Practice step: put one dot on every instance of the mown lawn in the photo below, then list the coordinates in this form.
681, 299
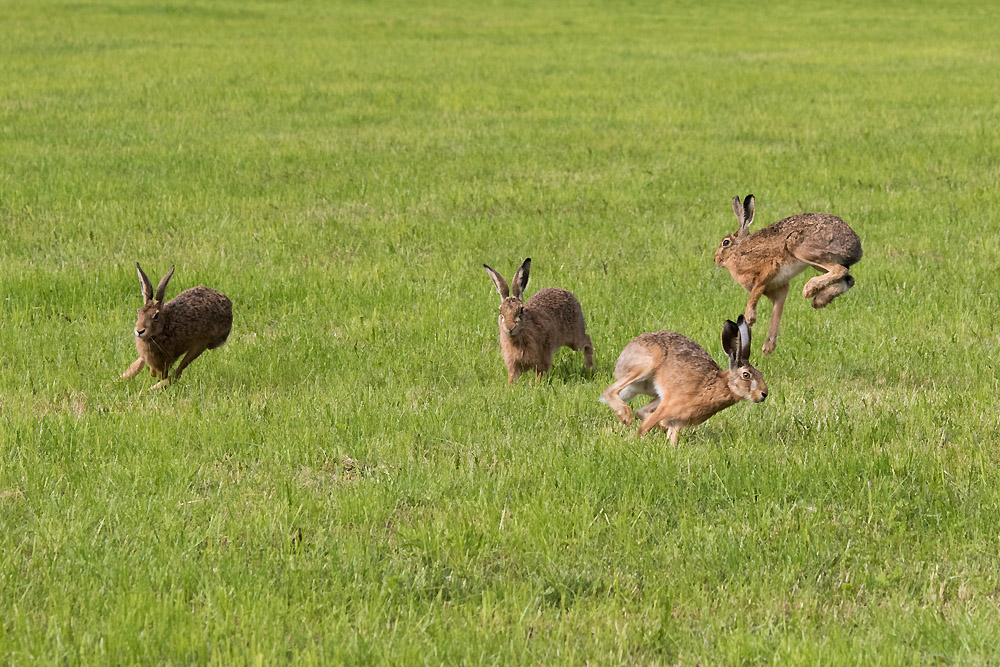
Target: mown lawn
350, 479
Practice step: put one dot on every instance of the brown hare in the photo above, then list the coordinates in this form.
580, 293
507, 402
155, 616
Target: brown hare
686, 384
764, 262
195, 320
532, 331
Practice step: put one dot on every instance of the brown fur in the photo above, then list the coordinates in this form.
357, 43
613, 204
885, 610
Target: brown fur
530, 333
196, 320
686, 384
764, 262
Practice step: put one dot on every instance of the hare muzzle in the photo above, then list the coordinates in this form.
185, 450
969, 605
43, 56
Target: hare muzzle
758, 392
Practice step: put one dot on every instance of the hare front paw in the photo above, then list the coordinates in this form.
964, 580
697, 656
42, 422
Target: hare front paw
750, 316
769, 346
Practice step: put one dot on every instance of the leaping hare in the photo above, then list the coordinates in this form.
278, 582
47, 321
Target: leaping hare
686, 384
764, 262
531, 332
195, 320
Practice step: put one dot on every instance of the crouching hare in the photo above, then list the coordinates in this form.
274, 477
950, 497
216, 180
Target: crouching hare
195, 320
686, 384
764, 262
532, 331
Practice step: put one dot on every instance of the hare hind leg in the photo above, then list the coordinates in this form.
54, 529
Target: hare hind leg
588, 351
816, 284
832, 291
823, 256
584, 343
219, 341
190, 356
834, 273
613, 395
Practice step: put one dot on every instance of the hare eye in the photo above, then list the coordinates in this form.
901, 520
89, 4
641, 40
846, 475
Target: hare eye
725, 242
746, 375
156, 316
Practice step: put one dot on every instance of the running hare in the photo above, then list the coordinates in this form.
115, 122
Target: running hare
686, 384
531, 332
195, 320
765, 261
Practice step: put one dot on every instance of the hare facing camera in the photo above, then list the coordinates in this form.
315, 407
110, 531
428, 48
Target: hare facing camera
532, 331
686, 384
195, 320
764, 262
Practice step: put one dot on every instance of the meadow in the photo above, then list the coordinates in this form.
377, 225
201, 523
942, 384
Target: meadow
350, 479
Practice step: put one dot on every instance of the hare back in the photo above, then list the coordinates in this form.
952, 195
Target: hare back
198, 314
678, 355
558, 309
824, 238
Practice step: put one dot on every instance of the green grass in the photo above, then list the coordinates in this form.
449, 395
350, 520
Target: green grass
350, 479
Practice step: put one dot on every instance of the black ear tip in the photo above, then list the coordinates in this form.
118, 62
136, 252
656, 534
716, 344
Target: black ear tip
739, 320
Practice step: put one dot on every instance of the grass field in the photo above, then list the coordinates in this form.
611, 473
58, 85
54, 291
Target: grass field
350, 479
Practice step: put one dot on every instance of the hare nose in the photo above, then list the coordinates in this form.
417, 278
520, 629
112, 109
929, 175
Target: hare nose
763, 394
139, 332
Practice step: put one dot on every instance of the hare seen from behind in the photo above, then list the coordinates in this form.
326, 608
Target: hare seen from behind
764, 262
195, 320
532, 331
686, 384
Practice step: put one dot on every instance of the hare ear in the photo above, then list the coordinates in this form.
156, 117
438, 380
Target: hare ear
744, 340
731, 343
498, 280
738, 210
520, 281
748, 211
147, 287
161, 289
